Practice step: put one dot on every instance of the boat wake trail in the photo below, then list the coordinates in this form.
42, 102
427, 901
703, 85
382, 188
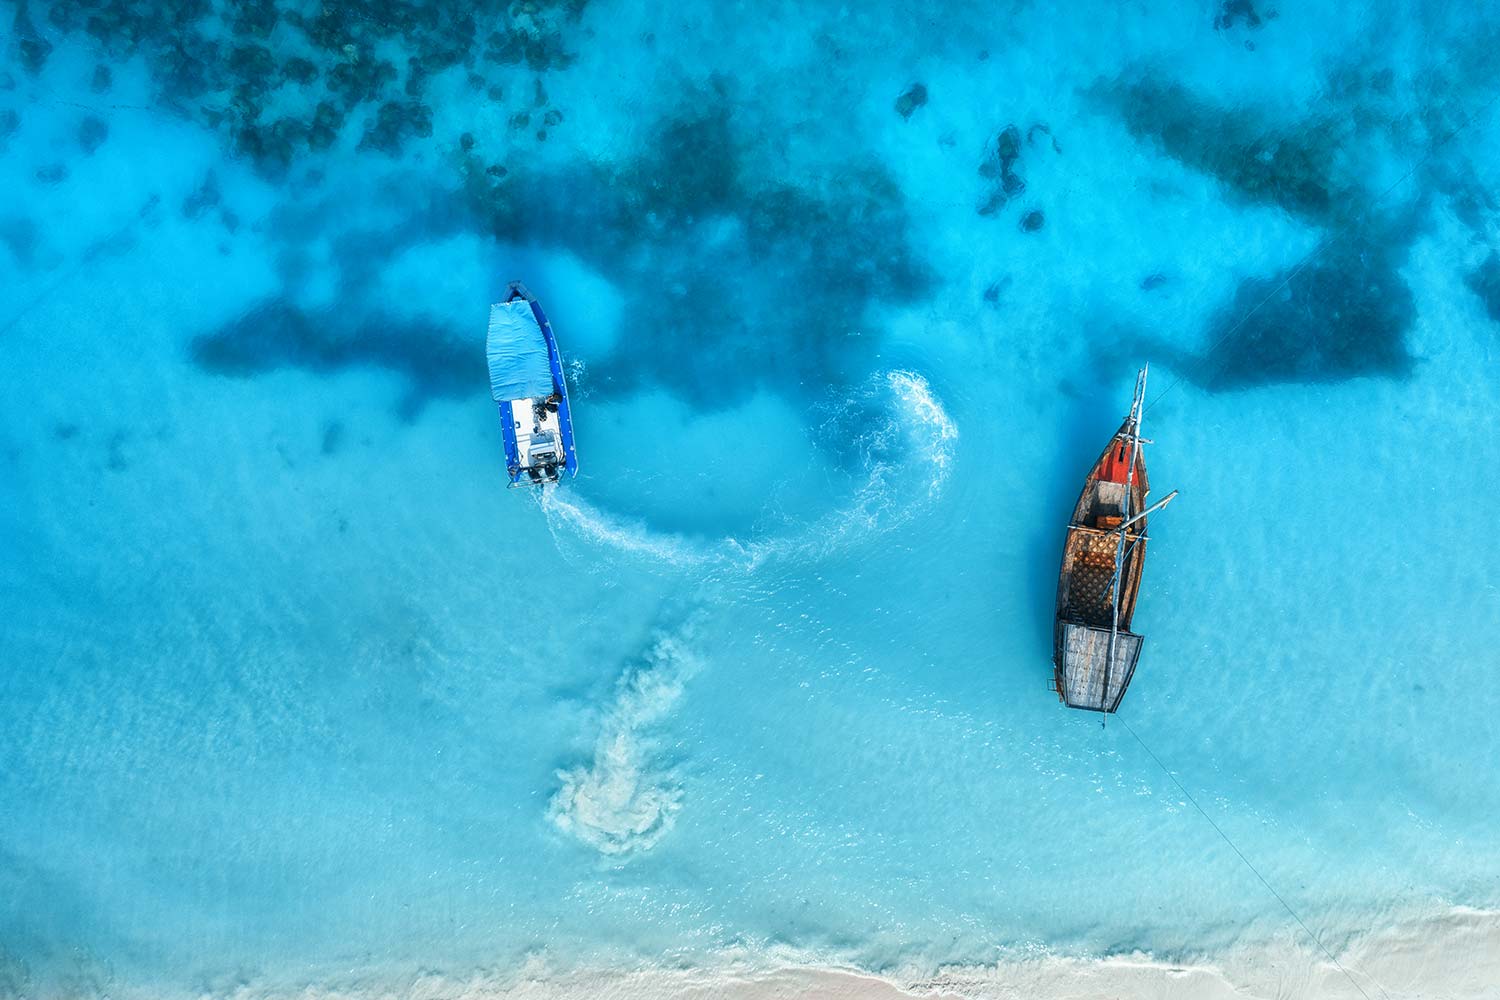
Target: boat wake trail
903, 442
892, 432
583, 519
625, 800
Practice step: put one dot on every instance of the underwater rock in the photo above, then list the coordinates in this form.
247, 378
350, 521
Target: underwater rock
466, 141
552, 117
539, 52
324, 132
360, 82
91, 134
1342, 316
539, 94
21, 236
335, 25
252, 17
299, 70
416, 78
10, 120
333, 437
271, 147
187, 71
34, 53
33, 47
1485, 283
395, 123
254, 67
63, 14
520, 120
206, 196
1008, 147
52, 173
1152, 282
1001, 166
1032, 221
117, 461
102, 79
1042, 129
321, 137
1233, 12
914, 98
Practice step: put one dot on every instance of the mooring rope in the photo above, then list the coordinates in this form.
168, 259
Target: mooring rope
1253, 870
1327, 241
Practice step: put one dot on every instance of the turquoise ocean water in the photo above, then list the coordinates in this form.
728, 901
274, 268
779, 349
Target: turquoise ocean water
292, 689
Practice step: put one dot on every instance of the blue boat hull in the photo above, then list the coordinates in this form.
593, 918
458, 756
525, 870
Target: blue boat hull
513, 460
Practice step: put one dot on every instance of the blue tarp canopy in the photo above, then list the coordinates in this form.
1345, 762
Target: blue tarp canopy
517, 351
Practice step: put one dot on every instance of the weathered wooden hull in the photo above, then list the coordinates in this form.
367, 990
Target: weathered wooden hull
1085, 583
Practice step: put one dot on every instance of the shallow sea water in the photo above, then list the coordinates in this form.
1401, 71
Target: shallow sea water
293, 689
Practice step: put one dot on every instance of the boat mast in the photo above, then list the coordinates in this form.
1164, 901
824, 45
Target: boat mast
1133, 431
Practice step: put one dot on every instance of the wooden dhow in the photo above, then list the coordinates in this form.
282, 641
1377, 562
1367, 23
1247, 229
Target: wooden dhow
1094, 651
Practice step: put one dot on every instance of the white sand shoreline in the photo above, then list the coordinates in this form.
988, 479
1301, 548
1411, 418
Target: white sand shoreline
1450, 956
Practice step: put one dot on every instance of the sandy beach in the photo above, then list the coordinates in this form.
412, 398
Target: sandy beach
1449, 956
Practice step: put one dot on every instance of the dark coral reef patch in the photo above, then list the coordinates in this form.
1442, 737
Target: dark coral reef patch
726, 267
315, 66
437, 362
1344, 315
764, 272
1293, 165
1485, 283
768, 276
1002, 167
911, 99
1344, 312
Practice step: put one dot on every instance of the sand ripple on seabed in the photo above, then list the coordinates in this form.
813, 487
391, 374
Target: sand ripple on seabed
623, 800
906, 460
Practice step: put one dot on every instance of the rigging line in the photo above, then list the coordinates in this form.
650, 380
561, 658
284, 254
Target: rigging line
1328, 241
1255, 871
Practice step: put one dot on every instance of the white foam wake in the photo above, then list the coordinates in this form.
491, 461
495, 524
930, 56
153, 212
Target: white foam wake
925, 411
893, 427
630, 537
623, 800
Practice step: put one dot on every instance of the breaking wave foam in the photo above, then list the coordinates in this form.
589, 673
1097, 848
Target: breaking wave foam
894, 427
623, 801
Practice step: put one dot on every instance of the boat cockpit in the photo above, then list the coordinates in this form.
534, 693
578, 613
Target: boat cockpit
540, 446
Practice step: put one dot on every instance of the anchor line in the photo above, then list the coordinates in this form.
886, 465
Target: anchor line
1248, 864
